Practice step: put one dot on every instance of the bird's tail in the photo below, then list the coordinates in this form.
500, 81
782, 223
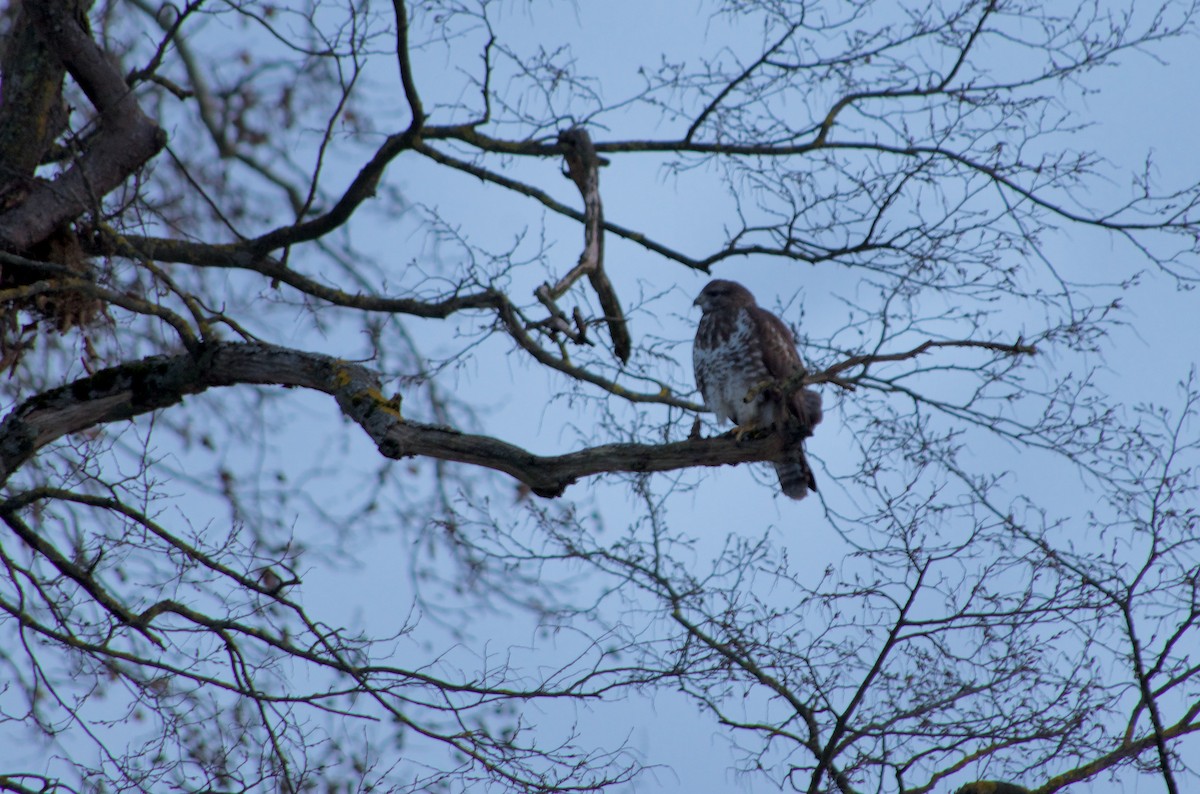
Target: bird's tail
795, 475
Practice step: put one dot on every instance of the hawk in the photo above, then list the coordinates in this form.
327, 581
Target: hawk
742, 353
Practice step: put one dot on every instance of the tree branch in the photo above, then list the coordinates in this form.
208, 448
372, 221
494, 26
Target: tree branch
584, 169
137, 388
126, 141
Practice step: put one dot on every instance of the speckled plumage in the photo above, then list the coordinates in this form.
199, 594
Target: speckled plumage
738, 347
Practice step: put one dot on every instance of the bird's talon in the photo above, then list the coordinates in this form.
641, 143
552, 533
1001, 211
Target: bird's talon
741, 431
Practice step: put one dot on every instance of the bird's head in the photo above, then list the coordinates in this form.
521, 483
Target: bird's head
723, 294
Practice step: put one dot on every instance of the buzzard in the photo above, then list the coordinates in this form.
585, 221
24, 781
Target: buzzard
741, 355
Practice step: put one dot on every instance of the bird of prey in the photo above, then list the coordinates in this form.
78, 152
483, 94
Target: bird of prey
743, 354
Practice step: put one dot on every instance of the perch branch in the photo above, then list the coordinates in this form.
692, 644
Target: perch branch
159, 382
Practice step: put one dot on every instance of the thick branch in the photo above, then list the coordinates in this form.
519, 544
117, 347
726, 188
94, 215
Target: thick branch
126, 141
32, 112
151, 384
